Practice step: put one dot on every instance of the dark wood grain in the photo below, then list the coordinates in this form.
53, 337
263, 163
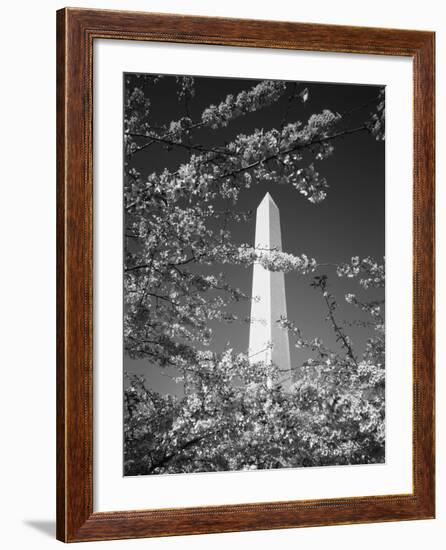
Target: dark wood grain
76, 31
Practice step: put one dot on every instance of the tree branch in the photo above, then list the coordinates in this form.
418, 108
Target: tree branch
172, 143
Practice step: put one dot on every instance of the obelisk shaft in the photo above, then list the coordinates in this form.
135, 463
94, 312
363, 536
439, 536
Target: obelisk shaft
268, 341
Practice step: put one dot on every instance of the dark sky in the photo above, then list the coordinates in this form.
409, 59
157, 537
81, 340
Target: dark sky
349, 222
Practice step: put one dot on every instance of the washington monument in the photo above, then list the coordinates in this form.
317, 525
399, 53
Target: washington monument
269, 342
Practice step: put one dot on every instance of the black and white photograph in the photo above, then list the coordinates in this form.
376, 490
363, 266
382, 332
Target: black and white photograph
254, 274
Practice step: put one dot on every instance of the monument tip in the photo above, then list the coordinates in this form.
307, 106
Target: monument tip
269, 198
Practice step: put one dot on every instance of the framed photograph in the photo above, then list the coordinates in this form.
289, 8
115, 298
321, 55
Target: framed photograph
245, 275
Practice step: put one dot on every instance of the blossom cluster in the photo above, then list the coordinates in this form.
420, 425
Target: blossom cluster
276, 260
377, 122
371, 273
263, 94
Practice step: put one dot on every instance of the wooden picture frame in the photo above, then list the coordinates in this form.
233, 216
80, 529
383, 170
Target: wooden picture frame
76, 31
